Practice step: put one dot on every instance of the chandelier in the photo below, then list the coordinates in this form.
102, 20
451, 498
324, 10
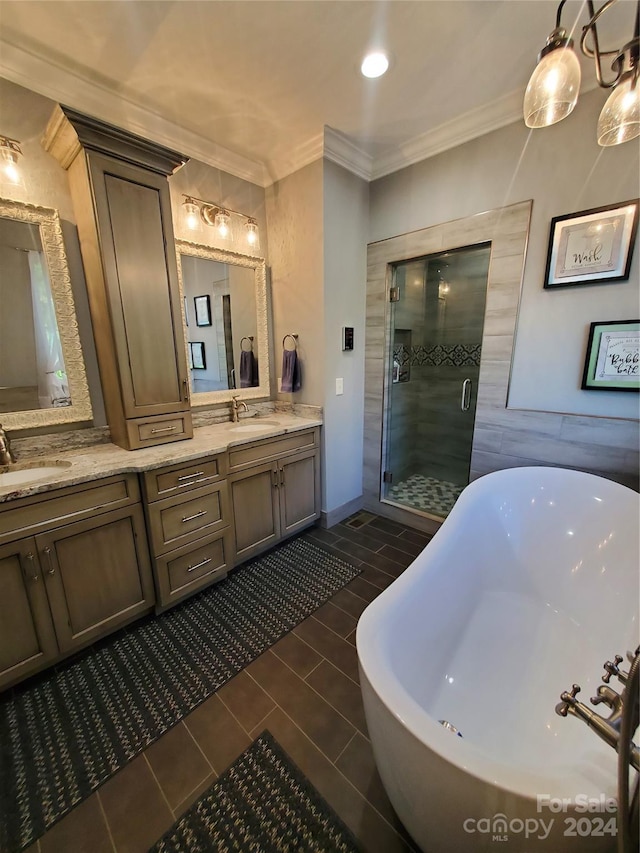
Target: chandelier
553, 89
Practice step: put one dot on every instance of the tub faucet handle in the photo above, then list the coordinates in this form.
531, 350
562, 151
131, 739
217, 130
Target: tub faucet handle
568, 699
609, 696
611, 668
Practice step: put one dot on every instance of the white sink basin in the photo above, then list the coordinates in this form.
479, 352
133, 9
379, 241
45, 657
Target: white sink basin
254, 426
23, 473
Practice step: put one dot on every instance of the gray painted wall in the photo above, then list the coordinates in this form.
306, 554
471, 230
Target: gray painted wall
563, 170
346, 210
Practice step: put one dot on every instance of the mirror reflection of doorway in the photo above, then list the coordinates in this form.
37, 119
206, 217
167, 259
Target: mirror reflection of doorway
434, 365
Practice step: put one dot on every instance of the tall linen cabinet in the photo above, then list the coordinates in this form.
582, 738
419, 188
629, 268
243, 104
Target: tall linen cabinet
121, 200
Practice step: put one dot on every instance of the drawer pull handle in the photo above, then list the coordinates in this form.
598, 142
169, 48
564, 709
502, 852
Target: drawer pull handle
190, 476
51, 570
196, 515
192, 483
163, 429
199, 565
31, 558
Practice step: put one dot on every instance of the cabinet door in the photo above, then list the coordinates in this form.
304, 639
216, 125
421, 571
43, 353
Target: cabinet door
27, 638
299, 491
254, 497
98, 575
134, 220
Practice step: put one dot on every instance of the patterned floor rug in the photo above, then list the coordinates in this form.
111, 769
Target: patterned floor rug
262, 802
66, 733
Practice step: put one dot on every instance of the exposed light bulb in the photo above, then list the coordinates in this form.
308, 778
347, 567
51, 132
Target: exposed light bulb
552, 91
9, 154
374, 64
620, 117
222, 221
252, 232
191, 213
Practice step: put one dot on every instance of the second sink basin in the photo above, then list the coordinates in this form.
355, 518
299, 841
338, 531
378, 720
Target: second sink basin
253, 426
23, 473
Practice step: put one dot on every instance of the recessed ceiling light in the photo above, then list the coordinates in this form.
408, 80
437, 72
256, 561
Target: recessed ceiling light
374, 64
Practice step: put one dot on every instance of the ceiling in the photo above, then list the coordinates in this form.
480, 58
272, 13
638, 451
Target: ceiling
250, 85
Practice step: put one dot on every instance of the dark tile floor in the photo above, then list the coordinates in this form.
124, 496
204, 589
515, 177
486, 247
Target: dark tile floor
304, 689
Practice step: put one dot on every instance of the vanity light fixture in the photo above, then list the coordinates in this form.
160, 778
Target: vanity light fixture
10, 152
252, 231
195, 210
553, 89
191, 213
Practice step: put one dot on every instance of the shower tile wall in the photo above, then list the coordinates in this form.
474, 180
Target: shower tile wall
426, 436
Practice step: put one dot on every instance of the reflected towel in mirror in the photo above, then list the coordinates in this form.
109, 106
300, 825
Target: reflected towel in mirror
248, 369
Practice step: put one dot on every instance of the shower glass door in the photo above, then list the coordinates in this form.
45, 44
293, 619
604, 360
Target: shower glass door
434, 364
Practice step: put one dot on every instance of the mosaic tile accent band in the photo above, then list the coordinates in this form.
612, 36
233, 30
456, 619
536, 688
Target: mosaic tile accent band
66, 733
438, 355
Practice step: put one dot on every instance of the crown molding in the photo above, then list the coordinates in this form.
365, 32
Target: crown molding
66, 87
296, 159
470, 125
341, 150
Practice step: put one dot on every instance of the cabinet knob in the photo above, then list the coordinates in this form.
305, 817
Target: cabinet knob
51, 570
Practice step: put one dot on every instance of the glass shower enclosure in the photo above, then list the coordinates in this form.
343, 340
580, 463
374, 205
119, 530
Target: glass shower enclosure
437, 319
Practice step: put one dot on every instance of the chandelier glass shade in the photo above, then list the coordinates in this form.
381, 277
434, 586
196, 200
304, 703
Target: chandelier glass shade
552, 91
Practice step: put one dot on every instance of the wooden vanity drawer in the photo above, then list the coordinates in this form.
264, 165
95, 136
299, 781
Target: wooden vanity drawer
28, 516
177, 520
147, 432
186, 569
180, 478
272, 448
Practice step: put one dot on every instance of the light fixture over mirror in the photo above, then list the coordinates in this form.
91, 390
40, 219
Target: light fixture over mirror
225, 323
10, 153
42, 374
553, 89
196, 211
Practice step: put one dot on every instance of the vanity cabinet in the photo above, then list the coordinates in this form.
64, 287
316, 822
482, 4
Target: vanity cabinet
83, 571
275, 490
123, 209
190, 526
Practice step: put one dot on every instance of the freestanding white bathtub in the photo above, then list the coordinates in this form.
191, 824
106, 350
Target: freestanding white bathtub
530, 585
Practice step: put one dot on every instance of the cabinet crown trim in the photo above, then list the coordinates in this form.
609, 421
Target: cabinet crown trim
69, 131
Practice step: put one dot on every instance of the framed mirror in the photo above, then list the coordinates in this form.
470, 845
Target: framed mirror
224, 305
42, 373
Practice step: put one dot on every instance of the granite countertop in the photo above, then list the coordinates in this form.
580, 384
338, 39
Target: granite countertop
106, 460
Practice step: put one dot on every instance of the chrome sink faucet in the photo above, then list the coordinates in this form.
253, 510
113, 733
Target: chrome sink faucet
6, 456
235, 408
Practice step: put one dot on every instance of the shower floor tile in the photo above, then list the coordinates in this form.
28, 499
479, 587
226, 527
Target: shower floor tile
426, 493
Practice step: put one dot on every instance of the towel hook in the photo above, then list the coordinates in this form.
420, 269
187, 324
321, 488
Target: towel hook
295, 340
247, 338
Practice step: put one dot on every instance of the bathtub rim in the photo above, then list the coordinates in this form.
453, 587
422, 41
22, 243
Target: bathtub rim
418, 722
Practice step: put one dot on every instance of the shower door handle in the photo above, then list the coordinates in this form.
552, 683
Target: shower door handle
465, 400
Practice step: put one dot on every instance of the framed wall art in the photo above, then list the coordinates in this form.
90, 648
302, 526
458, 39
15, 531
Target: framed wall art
612, 362
203, 310
198, 358
592, 247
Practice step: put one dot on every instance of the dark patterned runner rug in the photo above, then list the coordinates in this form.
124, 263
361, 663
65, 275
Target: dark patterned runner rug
68, 732
262, 802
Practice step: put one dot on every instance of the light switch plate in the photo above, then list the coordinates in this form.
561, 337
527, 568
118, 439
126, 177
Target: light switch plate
339, 387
